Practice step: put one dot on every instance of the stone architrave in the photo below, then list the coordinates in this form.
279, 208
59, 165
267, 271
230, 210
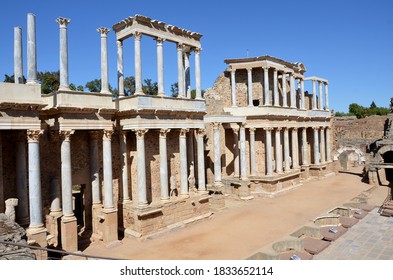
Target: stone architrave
104, 59
138, 63
63, 22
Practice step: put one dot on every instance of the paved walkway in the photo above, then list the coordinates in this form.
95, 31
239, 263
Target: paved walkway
238, 231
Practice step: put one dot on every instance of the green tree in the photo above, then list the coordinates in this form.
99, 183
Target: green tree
373, 105
149, 87
50, 81
72, 86
129, 85
94, 85
175, 89
80, 88
11, 79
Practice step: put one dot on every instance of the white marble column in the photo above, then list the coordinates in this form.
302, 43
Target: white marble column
120, 67
198, 90
322, 145
328, 147
277, 139
252, 152
275, 89
141, 166
187, 77
180, 74
63, 22
124, 166
295, 149
94, 167
18, 57
107, 168
35, 197
268, 151
164, 165
31, 50
233, 87
304, 147
160, 66
314, 95
284, 90
287, 165
326, 96
104, 59
22, 211
303, 100
320, 106
243, 160
55, 194
266, 92
183, 163
249, 86
293, 91
138, 63
201, 161
236, 164
66, 173
2, 206
217, 152
316, 146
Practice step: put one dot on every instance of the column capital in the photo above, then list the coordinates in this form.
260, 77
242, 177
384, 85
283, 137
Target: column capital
242, 125
249, 69
159, 40
294, 128
107, 135
183, 132
140, 133
119, 43
179, 46
252, 130
103, 31
268, 128
63, 22
137, 35
201, 131
266, 68
216, 125
315, 127
197, 50
164, 132
278, 128
232, 70
235, 129
285, 128
66, 134
34, 135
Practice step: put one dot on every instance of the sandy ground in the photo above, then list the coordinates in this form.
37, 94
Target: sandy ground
245, 226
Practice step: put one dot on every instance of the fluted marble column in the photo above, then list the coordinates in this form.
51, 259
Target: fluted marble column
141, 166
22, 211
66, 173
303, 106
275, 90
31, 50
35, 197
314, 95
266, 92
124, 166
164, 165
268, 151
249, 86
328, 154
287, 165
180, 74
187, 77
278, 149
94, 167
138, 62
201, 161
198, 91
304, 147
104, 59
326, 96
320, 106
217, 152
284, 90
252, 152
120, 67
316, 146
18, 57
160, 66
322, 140
295, 149
55, 194
107, 166
63, 22
233, 87
183, 163
236, 164
243, 160
293, 91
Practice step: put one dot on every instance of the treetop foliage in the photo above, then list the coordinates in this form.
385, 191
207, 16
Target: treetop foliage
360, 112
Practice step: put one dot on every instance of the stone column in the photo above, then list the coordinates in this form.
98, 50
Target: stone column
187, 77
201, 161
326, 96
180, 74
328, 147
31, 50
249, 86
252, 152
104, 59
322, 140
141, 165
183, 163
320, 106
268, 151
295, 149
293, 91
164, 165
22, 211
124, 166
303, 106
275, 90
160, 66
107, 168
266, 86
18, 57
2, 207
316, 145
233, 88
138, 63
236, 152
120, 71
198, 91
217, 153
287, 165
243, 160
304, 147
63, 22
314, 95
284, 90
94, 167
66, 173
278, 149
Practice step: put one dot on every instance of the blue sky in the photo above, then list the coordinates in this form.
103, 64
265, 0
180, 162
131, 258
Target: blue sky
347, 42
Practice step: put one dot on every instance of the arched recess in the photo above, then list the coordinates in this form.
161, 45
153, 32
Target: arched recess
361, 155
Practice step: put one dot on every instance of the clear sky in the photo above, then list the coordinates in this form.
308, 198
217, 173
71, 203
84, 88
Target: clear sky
347, 42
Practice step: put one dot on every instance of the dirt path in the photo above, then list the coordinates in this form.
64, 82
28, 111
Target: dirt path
241, 229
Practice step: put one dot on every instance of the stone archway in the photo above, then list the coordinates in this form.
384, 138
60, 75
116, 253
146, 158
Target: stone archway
357, 155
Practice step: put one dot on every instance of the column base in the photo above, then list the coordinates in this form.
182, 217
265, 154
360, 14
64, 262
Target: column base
36, 236
69, 234
110, 224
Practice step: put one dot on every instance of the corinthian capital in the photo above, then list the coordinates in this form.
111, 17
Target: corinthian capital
140, 133
103, 30
66, 134
34, 135
164, 132
183, 132
107, 134
137, 35
63, 21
